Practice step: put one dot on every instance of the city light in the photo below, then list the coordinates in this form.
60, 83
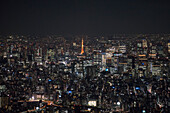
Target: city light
118, 103
92, 103
112, 75
137, 88
143, 111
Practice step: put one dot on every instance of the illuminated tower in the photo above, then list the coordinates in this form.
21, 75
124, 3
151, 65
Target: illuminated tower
82, 47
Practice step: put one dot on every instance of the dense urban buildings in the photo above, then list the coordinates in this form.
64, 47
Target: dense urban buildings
102, 74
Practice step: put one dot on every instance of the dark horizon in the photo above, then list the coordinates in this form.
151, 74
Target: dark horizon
87, 17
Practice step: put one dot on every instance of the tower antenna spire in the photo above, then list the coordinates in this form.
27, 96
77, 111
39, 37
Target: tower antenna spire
82, 47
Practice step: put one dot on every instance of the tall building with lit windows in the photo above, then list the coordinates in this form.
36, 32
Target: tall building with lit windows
169, 47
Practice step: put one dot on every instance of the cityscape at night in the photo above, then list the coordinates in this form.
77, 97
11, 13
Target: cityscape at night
84, 56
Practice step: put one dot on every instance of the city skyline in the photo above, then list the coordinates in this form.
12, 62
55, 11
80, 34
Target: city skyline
84, 56
83, 75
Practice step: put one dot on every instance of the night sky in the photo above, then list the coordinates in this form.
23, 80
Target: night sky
90, 17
